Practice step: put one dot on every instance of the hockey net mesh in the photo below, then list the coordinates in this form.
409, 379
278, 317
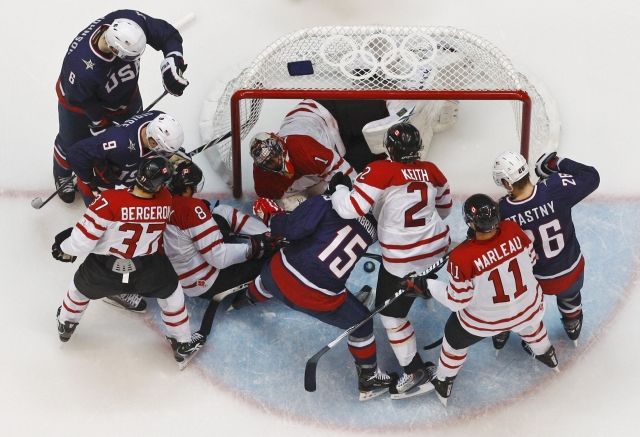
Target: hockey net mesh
380, 58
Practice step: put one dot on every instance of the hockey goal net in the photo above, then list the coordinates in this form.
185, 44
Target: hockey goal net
375, 62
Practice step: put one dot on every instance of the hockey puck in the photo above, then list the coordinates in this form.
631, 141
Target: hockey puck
369, 267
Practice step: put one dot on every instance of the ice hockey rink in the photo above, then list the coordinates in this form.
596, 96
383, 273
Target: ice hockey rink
116, 377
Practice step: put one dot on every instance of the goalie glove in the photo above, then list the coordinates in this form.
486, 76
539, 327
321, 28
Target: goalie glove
339, 179
547, 164
172, 68
264, 209
57, 252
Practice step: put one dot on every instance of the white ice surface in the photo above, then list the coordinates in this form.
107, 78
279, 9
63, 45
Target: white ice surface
118, 379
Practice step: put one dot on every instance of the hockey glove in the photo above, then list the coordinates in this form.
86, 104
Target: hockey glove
264, 209
57, 252
418, 286
264, 245
172, 68
339, 179
97, 127
105, 174
547, 164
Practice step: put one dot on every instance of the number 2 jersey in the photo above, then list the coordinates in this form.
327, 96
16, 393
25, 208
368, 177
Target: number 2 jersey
546, 217
313, 269
120, 224
491, 283
410, 201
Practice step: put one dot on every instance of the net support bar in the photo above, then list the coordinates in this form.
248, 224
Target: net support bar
292, 94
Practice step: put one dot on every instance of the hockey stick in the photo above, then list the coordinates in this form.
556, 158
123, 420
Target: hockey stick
38, 203
312, 363
253, 106
152, 104
433, 345
210, 312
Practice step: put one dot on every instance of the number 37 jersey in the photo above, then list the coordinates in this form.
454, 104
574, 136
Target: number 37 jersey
120, 224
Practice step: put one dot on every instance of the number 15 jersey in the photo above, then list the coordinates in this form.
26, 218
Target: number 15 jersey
410, 201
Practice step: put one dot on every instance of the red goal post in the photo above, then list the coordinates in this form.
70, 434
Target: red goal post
379, 63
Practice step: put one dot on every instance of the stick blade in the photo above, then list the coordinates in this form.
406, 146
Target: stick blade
310, 370
37, 203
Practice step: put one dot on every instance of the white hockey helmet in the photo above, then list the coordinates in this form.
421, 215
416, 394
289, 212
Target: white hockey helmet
167, 132
126, 39
509, 166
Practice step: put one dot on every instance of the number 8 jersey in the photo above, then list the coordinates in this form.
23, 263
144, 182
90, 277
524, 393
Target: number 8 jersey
120, 224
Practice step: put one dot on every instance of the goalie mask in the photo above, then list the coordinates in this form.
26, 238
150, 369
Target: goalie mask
403, 142
187, 174
511, 167
481, 211
269, 153
153, 173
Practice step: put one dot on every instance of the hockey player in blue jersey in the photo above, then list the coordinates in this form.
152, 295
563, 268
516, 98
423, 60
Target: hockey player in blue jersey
98, 82
543, 210
112, 158
310, 273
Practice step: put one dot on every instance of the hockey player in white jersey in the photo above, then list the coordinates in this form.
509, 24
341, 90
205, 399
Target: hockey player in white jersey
410, 198
121, 234
491, 289
196, 239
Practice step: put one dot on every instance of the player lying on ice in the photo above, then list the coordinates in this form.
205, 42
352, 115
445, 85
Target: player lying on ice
310, 273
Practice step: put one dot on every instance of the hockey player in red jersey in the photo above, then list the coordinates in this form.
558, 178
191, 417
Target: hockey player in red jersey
543, 210
121, 233
410, 198
301, 158
491, 289
196, 239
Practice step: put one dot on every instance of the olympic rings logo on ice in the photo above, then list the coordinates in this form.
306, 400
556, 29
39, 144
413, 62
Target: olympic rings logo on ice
379, 52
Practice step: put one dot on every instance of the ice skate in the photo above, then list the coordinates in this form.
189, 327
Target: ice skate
68, 193
66, 329
373, 382
414, 384
443, 388
184, 352
499, 340
130, 302
573, 327
548, 358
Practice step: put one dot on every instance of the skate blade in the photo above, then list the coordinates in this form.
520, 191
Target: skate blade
442, 400
575, 343
556, 369
365, 396
415, 391
183, 364
117, 305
